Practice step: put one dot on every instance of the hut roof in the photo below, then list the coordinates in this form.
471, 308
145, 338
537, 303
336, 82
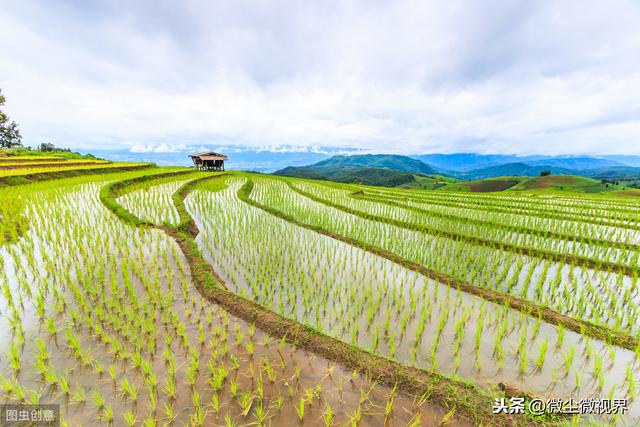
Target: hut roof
209, 155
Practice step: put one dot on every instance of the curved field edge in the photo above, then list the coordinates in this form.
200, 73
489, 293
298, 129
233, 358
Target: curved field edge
16, 226
519, 250
110, 192
399, 376
531, 211
29, 159
468, 400
527, 307
7, 181
361, 195
23, 165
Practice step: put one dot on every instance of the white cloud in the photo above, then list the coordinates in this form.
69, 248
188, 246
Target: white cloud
155, 148
407, 76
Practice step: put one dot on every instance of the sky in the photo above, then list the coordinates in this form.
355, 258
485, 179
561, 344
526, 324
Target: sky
409, 77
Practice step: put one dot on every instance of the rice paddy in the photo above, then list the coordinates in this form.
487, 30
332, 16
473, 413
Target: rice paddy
118, 335
44, 169
569, 288
104, 318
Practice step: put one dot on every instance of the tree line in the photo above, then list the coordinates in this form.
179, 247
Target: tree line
9, 133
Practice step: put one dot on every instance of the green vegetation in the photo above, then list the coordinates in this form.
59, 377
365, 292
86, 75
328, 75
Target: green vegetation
366, 176
406, 172
250, 299
395, 178
13, 222
484, 185
120, 333
9, 132
19, 166
564, 183
429, 182
20, 153
369, 169
319, 218
377, 161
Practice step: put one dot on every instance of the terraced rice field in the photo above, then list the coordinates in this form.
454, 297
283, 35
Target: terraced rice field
141, 297
15, 170
48, 168
117, 334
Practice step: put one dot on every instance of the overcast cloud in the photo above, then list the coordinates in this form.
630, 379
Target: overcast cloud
547, 77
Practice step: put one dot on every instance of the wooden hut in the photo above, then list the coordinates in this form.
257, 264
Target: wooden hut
209, 161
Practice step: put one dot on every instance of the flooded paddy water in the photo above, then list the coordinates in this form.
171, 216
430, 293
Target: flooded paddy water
599, 296
378, 305
102, 319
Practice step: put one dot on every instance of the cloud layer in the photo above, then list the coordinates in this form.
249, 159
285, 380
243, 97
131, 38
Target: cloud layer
408, 76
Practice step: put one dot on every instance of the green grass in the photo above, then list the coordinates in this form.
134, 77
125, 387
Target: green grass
38, 160
563, 183
483, 185
23, 153
48, 169
61, 173
429, 182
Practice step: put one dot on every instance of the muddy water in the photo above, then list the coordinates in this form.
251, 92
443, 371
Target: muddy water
103, 283
292, 270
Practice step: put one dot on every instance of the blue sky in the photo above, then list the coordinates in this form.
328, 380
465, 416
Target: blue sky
520, 77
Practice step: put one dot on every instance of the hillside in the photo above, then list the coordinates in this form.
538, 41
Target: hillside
471, 162
575, 162
614, 172
18, 153
598, 169
484, 185
465, 166
361, 175
378, 161
464, 162
402, 171
511, 169
371, 169
571, 183
566, 183
429, 182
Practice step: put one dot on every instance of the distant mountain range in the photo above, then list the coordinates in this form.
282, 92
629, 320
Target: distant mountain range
460, 165
380, 161
509, 169
465, 162
371, 169
362, 175
240, 158
354, 168
593, 168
